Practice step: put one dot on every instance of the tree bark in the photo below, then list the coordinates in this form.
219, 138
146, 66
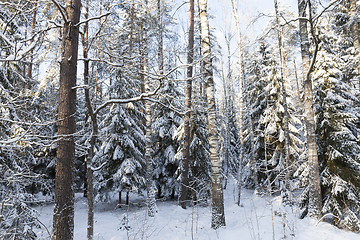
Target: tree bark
186, 150
218, 214
315, 201
150, 201
29, 73
63, 222
355, 25
286, 188
160, 40
90, 113
241, 79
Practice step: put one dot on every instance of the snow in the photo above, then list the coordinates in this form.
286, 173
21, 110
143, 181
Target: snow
251, 221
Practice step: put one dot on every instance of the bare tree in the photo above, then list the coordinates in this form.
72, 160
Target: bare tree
218, 214
63, 223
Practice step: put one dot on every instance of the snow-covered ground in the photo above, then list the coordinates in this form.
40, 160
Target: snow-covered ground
252, 221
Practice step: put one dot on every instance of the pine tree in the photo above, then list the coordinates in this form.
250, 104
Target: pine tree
122, 151
339, 151
165, 124
267, 128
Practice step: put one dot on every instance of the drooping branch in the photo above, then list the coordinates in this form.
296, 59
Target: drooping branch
61, 9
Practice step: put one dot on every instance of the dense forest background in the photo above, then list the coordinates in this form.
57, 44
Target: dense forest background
109, 98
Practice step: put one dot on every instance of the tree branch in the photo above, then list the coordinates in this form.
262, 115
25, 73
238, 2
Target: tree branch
61, 8
93, 18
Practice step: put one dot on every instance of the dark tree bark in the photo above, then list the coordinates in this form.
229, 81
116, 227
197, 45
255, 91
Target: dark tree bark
63, 224
186, 150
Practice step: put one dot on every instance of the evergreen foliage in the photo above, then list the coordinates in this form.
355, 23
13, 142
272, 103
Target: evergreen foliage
265, 141
165, 145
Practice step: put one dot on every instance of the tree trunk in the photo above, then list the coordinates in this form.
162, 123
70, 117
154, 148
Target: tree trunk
218, 214
120, 199
150, 201
160, 40
297, 86
63, 222
354, 29
97, 63
90, 113
286, 188
355, 25
315, 201
241, 79
29, 73
186, 150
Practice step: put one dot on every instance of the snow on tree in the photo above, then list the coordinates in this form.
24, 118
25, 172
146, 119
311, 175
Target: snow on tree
165, 145
337, 133
265, 117
121, 153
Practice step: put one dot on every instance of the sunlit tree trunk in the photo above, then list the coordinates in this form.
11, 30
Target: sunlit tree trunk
218, 214
63, 222
186, 150
315, 201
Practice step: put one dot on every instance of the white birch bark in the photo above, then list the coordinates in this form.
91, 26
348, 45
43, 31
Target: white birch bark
315, 201
218, 214
150, 201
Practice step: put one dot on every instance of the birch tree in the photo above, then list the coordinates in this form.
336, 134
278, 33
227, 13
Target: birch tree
218, 214
315, 200
186, 151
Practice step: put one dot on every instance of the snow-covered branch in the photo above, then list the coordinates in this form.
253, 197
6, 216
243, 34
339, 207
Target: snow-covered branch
61, 10
93, 18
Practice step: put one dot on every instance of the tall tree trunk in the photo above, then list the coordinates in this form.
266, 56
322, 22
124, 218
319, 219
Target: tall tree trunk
286, 188
97, 63
355, 25
29, 73
63, 222
186, 150
90, 113
218, 214
150, 201
355, 35
226, 81
315, 201
161, 39
241, 79
297, 86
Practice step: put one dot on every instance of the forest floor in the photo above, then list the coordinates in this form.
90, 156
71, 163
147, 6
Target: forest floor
253, 221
